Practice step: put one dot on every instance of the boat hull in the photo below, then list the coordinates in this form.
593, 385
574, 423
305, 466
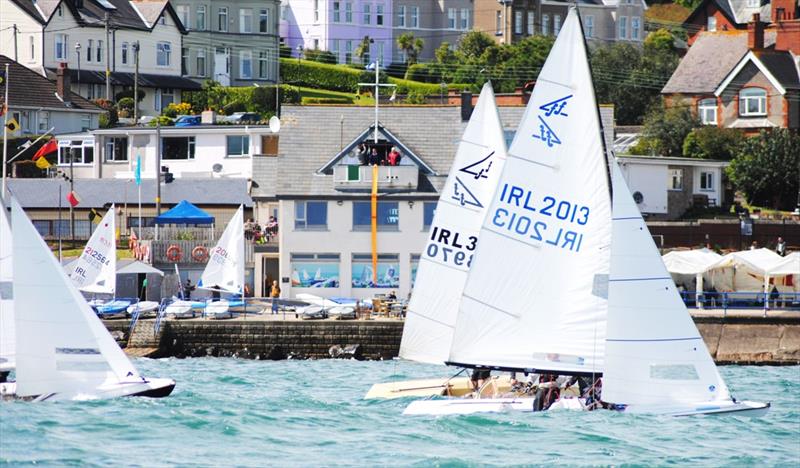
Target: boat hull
145, 308
152, 388
456, 387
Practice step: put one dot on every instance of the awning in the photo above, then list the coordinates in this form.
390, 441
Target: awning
690, 262
185, 213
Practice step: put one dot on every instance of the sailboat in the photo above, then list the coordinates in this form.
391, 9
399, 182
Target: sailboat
63, 351
225, 269
95, 271
7, 334
443, 267
599, 299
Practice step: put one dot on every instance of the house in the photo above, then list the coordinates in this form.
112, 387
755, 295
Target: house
201, 151
603, 20
98, 36
321, 196
743, 79
232, 42
39, 104
433, 22
664, 188
723, 15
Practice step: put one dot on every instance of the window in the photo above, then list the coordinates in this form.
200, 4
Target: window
316, 10
415, 17
465, 18
711, 24
164, 97
623, 27
388, 216
752, 101
707, 111
44, 121
201, 17
348, 52
163, 54
379, 15
676, 179
263, 64
77, 151
201, 62
183, 15
337, 14
706, 181
124, 53
177, 148
89, 48
315, 270
316, 44
498, 24
245, 20
284, 8
387, 274
61, 47
379, 45
116, 149
753, 3
401, 16
335, 48
31, 42
635, 28
222, 19
428, 210
263, 20
310, 215
556, 24
184, 61
414, 268
531, 23
366, 14
99, 51
59, 12
517, 22
545, 24
245, 64
348, 12
451, 18
238, 145
162, 19
588, 25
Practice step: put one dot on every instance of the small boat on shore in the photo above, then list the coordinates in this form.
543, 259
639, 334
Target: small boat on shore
144, 308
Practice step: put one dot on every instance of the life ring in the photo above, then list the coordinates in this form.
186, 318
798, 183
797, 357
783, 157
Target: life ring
174, 253
200, 254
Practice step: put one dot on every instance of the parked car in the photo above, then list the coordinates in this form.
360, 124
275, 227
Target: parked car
187, 121
241, 117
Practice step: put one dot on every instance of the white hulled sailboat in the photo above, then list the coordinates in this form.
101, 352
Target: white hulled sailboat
225, 269
7, 335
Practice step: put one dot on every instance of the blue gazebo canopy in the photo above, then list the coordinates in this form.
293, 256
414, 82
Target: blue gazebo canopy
185, 213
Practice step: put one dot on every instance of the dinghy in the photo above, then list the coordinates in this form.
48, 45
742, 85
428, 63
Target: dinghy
115, 308
446, 259
224, 271
144, 308
63, 351
7, 333
554, 309
180, 308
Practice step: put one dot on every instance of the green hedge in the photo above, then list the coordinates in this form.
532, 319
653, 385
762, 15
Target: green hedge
319, 75
330, 100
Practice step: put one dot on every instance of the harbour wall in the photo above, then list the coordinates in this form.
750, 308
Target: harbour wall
731, 340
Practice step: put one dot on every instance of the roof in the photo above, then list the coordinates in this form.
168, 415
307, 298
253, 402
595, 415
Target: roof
185, 213
671, 161
95, 193
311, 136
30, 89
124, 14
709, 60
127, 79
737, 11
125, 266
690, 262
778, 67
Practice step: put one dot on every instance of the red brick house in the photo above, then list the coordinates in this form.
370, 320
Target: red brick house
723, 15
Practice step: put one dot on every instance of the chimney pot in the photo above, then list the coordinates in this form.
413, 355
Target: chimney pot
63, 82
466, 105
755, 33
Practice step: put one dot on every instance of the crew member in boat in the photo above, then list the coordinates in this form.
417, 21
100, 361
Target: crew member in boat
479, 376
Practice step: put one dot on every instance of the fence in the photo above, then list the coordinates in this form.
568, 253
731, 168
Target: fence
724, 234
188, 252
741, 300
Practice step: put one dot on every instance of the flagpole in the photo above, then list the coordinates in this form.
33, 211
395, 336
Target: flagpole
59, 222
5, 135
12, 158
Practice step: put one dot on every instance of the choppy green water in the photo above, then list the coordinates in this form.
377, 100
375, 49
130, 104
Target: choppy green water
311, 413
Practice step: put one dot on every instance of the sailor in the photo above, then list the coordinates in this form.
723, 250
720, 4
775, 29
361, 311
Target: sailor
275, 293
187, 289
479, 376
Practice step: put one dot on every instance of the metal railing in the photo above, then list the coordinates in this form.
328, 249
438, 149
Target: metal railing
741, 300
187, 251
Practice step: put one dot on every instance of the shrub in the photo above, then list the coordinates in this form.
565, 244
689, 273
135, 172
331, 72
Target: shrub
408, 86
128, 93
125, 103
163, 120
235, 106
290, 94
327, 100
319, 75
712, 143
415, 97
322, 56
423, 72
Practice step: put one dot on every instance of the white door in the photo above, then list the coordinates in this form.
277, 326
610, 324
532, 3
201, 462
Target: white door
222, 66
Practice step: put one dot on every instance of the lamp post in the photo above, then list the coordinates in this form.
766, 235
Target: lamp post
78, 54
299, 50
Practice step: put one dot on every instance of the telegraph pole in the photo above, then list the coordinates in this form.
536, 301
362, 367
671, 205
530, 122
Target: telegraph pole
136, 84
5, 133
108, 61
158, 172
16, 58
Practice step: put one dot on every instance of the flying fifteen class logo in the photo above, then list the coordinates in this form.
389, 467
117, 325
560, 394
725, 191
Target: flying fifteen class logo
477, 170
551, 109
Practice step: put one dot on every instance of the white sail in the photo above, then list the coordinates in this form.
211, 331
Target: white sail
225, 268
536, 293
7, 334
62, 347
444, 263
654, 354
95, 271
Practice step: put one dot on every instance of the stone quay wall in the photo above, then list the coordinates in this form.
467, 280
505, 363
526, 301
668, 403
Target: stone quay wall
731, 340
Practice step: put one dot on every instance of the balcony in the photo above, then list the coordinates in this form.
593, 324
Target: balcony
359, 178
187, 252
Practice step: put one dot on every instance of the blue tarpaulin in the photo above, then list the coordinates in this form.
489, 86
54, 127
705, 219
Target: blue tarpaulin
185, 213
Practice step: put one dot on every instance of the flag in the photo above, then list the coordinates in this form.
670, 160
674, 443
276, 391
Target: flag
138, 173
43, 163
25, 145
94, 216
49, 147
3, 110
73, 198
12, 125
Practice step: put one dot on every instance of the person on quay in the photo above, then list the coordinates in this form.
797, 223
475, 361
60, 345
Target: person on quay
275, 293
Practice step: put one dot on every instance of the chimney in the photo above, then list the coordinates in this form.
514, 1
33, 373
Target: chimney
62, 82
208, 117
466, 105
783, 10
755, 33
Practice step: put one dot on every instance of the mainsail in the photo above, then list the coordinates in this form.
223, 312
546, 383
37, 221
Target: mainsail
655, 355
536, 294
62, 347
95, 271
453, 236
7, 334
225, 268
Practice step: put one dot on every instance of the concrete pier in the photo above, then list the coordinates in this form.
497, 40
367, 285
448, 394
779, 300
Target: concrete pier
740, 337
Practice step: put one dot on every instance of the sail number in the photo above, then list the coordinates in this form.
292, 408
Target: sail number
95, 257
451, 247
219, 255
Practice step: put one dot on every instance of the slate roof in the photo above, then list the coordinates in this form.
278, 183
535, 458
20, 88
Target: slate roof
127, 79
133, 14
94, 193
311, 136
709, 60
30, 89
782, 66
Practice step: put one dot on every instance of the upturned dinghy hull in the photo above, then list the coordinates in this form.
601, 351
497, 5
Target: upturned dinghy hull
151, 388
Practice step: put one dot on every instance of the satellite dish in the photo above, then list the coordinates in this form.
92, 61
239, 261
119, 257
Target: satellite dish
638, 197
275, 124
217, 168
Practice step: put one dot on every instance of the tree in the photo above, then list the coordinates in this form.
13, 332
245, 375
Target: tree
411, 46
474, 43
711, 142
767, 168
363, 48
444, 54
666, 129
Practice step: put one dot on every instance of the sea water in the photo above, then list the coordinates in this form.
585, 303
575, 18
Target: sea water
227, 412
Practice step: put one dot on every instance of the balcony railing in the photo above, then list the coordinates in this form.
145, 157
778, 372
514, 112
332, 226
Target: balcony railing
389, 177
192, 252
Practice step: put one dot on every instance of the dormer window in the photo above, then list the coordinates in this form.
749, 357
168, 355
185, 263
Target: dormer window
752, 102
711, 25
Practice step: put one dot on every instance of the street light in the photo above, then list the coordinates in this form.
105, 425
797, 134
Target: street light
299, 50
78, 53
